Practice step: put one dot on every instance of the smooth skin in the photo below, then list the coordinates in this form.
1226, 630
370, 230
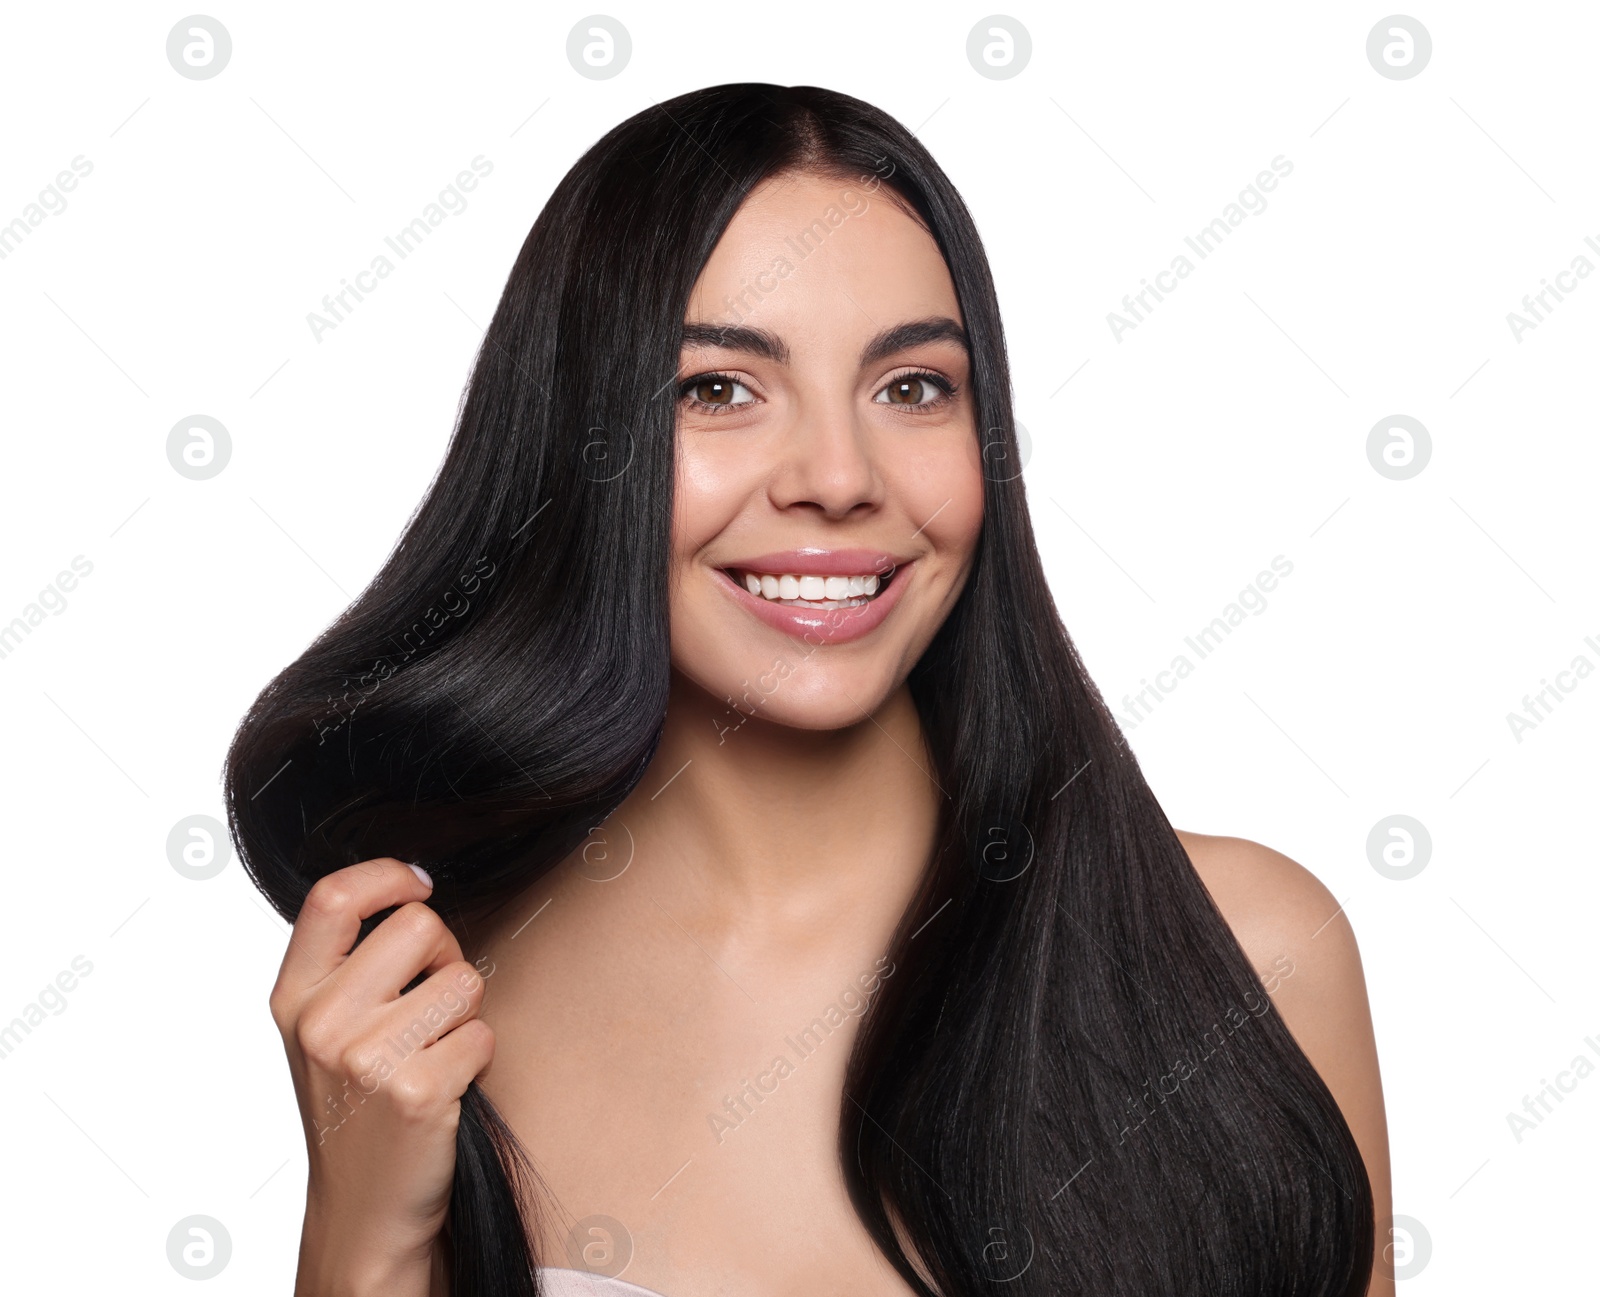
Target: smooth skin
755, 876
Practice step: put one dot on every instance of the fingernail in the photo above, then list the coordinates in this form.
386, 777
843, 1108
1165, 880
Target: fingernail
421, 873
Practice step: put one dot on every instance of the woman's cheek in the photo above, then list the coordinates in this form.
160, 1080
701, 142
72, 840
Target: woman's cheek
710, 492
947, 489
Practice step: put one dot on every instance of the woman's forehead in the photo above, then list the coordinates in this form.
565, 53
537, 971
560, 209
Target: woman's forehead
810, 253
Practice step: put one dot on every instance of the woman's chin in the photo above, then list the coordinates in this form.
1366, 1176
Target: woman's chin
798, 695
824, 713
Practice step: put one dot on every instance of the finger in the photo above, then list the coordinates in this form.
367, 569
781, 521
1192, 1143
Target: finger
418, 1019
458, 1058
420, 1084
412, 940
330, 919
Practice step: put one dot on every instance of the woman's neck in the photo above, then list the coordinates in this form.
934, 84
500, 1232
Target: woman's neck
764, 826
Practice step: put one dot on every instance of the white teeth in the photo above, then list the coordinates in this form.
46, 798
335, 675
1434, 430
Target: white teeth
822, 591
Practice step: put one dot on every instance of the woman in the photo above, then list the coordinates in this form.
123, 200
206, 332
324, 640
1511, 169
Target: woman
836, 942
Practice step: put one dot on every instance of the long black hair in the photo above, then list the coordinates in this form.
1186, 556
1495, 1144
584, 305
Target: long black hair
1073, 1083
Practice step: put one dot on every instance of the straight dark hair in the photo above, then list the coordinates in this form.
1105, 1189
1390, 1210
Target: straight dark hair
1007, 1099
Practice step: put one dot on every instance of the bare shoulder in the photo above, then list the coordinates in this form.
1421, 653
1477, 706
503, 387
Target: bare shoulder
1273, 903
1297, 937
1293, 930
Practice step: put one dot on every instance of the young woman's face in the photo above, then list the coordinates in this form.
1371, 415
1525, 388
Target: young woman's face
826, 455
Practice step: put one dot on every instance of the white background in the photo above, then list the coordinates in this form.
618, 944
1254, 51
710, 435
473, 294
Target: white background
1168, 468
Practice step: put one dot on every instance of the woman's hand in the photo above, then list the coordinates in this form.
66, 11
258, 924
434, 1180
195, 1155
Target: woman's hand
379, 1075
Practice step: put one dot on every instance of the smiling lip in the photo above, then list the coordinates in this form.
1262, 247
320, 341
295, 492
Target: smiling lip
821, 562
819, 626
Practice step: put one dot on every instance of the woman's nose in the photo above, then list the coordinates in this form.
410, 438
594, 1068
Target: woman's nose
828, 461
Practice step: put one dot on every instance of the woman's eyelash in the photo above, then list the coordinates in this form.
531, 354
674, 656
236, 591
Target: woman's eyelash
934, 380
688, 385
943, 384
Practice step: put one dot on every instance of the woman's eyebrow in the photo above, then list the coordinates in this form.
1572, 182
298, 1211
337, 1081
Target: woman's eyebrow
761, 342
940, 328
735, 337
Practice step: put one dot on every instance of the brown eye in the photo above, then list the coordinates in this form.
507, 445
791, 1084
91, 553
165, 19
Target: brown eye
715, 394
913, 390
713, 391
